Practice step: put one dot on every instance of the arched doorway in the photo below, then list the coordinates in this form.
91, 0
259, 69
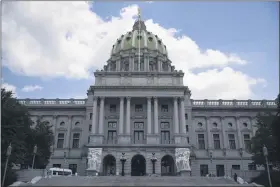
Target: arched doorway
109, 165
167, 166
138, 165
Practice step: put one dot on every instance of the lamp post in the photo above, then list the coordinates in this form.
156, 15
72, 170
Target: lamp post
153, 159
123, 160
9, 151
265, 153
64, 162
225, 154
34, 154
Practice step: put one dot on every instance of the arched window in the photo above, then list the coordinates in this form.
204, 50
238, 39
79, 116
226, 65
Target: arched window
62, 123
77, 123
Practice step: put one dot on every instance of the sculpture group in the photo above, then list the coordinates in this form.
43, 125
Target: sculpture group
94, 158
182, 156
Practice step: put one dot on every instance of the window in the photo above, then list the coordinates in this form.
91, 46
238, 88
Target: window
186, 116
73, 167
165, 137
247, 142
220, 170
113, 108
188, 140
60, 140
164, 125
76, 140
112, 124
215, 125
201, 141
62, 123
230, 125
252, 167
77, 123
216, 138
138, 125
89, 128
235, 167
187, 128
203, 170
88, 139
164, 108
112, 137
138, 108
231, 140
90, 115
138, 137
245, 124
199, 124
56, 165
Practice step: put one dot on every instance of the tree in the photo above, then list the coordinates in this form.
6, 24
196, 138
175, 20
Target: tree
42, 136
15, 128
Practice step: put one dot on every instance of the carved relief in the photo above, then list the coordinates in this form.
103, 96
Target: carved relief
94, 158
182, 159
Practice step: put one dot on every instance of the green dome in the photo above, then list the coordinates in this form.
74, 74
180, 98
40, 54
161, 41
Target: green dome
139, 37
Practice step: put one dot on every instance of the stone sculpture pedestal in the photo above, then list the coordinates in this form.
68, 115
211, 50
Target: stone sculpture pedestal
92, 172
185, 173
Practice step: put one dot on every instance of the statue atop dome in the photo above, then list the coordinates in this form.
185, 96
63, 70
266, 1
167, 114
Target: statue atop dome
139, 24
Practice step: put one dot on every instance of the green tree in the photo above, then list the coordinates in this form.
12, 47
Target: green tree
15, 128
42, 136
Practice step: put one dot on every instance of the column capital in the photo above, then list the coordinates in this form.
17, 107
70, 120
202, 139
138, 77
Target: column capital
182, 98
176, 98
207, 117
70, 116
149, 98
128, 98
223, 118
155, 97
237, 117
121, 98
102, 97
94, 97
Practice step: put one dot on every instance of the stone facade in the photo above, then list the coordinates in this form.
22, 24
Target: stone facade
140, 106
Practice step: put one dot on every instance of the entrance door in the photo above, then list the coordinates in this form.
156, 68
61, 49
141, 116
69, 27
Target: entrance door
138, 166
220, 170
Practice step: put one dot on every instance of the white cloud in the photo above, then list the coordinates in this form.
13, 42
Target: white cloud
54, 39
31, 88
150, 2
9, 87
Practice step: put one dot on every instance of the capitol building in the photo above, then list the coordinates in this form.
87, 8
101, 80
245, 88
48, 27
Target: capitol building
139, 112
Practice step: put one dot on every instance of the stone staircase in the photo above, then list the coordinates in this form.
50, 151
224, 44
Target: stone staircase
139, 181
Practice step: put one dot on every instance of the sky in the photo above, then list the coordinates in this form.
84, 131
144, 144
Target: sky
228, 50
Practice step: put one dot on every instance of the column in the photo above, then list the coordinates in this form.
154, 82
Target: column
121, 115
183, 119
239, 135
128, 115
208, 132
156, 114
94, 115
54, 131
149, 115
69, 131
224, 140
159, 65
175, 116
101, 116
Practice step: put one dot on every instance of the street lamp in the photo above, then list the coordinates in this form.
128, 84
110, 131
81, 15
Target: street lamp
225, 157
265, 154
34, 154
9, 151
64, 162
153, 159
123, 159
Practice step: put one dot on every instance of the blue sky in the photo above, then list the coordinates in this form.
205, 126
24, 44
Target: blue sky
249, 30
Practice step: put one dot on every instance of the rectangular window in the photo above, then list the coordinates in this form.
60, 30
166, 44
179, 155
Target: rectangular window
89, 128
217, 144
88, 139
231, 140
201, 141
186, 116
112, 124
203, 170
235, 167
112, 137
76, 140
138, 137
187, 128
164, 108
164, 125
188, 139
73, 167
138, 108
247, 142
60, 140
252, 167
220, 170
56, 165
165, 137
90, 115
113, 108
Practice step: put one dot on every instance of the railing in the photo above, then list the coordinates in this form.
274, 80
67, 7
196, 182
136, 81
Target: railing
195, 103
234, 103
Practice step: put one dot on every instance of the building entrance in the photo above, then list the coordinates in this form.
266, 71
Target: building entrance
138, 166
109, 165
